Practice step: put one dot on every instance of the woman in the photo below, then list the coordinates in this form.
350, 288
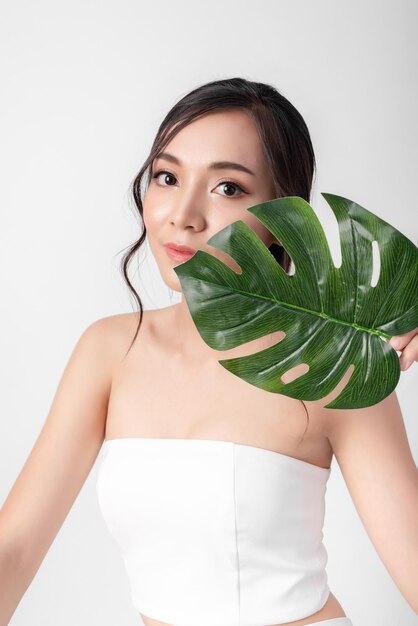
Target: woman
212, 487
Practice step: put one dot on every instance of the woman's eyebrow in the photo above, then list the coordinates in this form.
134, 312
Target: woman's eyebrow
216, 165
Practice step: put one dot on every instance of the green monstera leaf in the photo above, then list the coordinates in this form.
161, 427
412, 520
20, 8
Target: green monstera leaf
332, 316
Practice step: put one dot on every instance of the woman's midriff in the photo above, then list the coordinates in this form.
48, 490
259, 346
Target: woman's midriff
332, 608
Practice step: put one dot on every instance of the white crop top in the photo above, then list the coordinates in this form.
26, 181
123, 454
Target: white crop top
216, 533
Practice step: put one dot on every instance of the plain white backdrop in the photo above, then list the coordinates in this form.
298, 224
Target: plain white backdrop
85, 84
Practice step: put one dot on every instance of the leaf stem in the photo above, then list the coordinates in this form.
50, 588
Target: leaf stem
371, 331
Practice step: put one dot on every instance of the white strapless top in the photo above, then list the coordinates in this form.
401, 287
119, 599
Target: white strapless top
216, 533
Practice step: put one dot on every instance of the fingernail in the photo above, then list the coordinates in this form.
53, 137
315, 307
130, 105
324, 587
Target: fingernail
395, 343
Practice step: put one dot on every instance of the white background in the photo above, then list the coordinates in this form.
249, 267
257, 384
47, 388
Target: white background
85, 85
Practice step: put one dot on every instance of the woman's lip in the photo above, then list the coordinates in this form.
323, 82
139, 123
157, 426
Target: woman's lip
180, 247
176, 255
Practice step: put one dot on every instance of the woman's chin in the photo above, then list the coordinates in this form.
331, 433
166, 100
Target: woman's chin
175, 285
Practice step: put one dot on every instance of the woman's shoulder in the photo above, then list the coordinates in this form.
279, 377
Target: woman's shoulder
117, 331
119, 322
118, 328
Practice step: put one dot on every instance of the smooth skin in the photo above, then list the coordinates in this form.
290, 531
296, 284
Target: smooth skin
105, 393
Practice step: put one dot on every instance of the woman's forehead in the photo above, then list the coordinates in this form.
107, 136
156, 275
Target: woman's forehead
219, 136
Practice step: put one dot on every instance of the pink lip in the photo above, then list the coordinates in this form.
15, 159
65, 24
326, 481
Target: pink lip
177, 255
179, 252
179, 246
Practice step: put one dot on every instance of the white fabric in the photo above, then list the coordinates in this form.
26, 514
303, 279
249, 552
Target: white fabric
215, 533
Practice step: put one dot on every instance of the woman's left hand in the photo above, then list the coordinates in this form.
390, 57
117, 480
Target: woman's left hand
408, 345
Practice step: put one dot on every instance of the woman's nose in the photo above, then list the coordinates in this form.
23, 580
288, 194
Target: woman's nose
188, 209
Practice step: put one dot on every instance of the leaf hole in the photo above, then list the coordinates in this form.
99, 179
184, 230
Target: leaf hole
227, 260
331, 230
294, 373
376, 263
292, 269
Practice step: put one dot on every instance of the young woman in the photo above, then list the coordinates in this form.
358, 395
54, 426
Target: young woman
213, 488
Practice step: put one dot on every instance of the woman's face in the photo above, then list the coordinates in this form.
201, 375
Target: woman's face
189, 201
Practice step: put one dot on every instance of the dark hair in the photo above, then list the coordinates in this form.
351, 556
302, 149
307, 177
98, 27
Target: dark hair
284, 136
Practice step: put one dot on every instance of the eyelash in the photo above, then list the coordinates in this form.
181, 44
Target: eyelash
224, 182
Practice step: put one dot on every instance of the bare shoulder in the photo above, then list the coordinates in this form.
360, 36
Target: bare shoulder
367, 436
344, 428
116, 326
370, 442
116, 332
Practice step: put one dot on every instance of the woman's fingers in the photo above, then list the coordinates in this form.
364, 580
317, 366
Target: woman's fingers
408, 345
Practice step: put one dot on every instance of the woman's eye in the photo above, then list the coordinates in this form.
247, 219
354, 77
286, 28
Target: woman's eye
227, 184
158, 174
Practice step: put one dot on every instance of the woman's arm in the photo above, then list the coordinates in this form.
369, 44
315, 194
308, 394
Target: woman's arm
58, 464
373, 453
